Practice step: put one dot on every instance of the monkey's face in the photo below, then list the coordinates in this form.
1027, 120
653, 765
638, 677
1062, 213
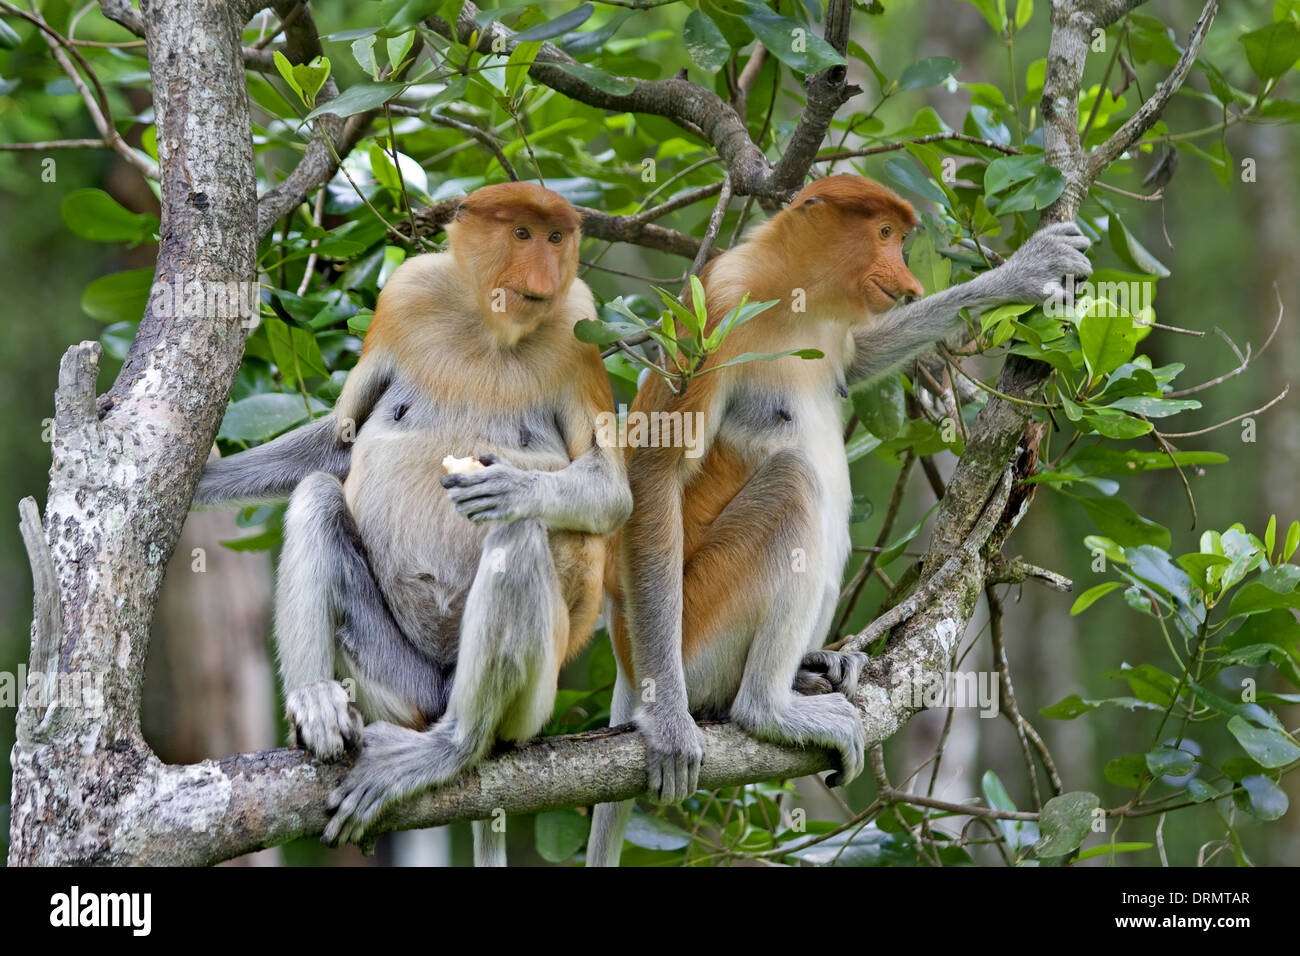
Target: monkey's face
886, 278
517, 245
538, 261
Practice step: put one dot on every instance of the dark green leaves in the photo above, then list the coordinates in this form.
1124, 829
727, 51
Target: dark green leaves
1272, 50
791, 42
927, 72
560, 25
118, 297
259, 417
359, 99
705, 42
95, 215
1266, 746
1066, 822
559, 834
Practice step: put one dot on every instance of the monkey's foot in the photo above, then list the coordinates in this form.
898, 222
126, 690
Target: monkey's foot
830, 672
395, 762
675, 751
322, 720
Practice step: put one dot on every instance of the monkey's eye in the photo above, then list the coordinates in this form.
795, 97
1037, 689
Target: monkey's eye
886, 231
555, 238
522, 233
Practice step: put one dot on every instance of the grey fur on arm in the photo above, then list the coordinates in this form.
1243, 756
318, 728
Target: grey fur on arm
270, 472
1034, 274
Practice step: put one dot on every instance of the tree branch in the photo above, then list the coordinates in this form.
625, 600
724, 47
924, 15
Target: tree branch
1141, 121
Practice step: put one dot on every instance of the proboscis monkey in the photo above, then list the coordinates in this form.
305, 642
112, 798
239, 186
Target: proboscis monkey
731, 564
453, 598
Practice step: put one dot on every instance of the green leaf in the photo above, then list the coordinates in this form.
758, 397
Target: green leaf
1265, 800
655, 833
1122, 524
1109, 849
1009, 170
259, 417
1126, 771
9, 40
398, 47
926, 264
1292, 541
1089, 597
1155, 407
1016, 833
1065, 823
909, 178
560, 25
880, 406
1170, 762
928, 72
560, 833
1201, 791
1068, 708
1132, 252
707, 47
1256, 597
306, 79
1267, 747
601, 80
358, 99
1272, 50
119, 297
790, 41
519, 63
1148, 682
363, 51
993, 11
1039, 192
95, 215
1108, 340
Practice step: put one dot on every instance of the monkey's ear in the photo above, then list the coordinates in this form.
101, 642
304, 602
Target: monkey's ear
810, 201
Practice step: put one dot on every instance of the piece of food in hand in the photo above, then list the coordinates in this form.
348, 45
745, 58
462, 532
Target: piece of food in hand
460, 466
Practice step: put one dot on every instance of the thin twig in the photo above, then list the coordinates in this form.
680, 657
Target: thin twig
1237, 418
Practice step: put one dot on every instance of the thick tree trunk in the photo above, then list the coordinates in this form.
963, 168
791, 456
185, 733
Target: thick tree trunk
123, 473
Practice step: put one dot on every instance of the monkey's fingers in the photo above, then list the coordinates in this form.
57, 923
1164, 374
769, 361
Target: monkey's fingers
810, 684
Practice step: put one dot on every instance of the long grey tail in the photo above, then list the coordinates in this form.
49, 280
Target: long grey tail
270, 472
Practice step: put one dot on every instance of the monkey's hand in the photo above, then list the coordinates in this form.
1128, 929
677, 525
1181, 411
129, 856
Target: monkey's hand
322, 720
394, 763
830, 672
1036, 270
676, 750
499, 492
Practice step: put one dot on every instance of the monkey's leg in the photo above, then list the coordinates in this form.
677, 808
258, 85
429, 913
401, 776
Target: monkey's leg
512, 634
764, 558
325, 586
609, 820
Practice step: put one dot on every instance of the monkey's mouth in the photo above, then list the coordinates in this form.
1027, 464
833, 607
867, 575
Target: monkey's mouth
889, 295
530, 297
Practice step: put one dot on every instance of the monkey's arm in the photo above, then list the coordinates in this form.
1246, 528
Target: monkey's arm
590, 495
1033, 274
650, 564
270, 472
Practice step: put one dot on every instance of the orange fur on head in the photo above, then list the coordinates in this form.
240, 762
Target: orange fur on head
843, 236
517, 245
